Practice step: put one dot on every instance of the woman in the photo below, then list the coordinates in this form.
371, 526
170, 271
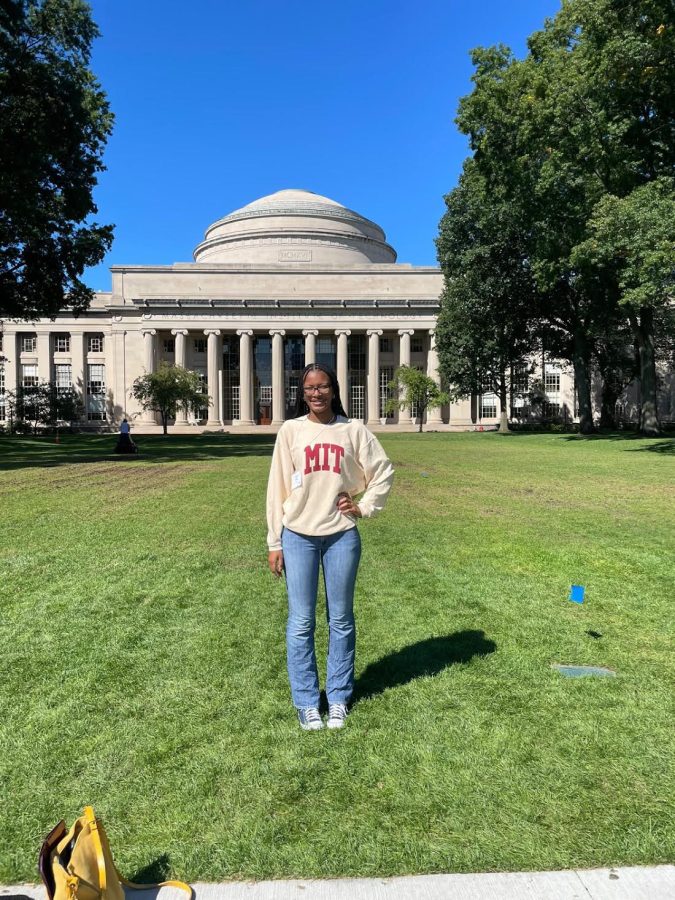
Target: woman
321, 461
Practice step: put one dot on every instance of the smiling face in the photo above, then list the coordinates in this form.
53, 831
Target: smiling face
318, 392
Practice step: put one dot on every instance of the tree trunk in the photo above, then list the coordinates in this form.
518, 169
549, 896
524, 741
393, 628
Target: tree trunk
421, 410
503, 404
164, 421
608, 407
582, 381
644, 327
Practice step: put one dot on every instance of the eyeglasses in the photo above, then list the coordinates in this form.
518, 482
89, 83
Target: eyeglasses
320, 388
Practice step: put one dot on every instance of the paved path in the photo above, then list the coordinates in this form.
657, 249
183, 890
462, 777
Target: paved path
649, 883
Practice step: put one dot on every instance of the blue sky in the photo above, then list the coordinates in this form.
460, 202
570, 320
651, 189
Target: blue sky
218, 103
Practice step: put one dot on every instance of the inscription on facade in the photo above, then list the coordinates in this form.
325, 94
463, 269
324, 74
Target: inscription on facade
295, 255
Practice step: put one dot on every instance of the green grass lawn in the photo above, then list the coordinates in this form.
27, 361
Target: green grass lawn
143, 662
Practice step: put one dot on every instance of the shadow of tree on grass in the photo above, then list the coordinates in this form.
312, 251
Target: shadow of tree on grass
667, 447
663, 444
427, 657
20, 452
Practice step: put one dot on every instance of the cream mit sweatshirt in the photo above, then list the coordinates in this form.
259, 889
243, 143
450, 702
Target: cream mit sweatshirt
313, 463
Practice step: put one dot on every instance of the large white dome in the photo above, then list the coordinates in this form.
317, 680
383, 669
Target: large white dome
294, 226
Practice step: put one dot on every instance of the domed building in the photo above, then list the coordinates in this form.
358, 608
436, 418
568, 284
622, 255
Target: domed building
289, 279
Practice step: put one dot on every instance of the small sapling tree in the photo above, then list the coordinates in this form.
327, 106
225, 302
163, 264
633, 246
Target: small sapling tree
415, 391
167, 390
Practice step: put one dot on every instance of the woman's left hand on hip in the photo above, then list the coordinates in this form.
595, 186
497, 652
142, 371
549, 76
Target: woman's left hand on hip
347, 507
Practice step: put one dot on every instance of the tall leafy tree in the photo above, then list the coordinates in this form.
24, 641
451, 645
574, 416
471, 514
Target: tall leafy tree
54, 122
605, 103
588, 113
633, 237
487, 324
505, 119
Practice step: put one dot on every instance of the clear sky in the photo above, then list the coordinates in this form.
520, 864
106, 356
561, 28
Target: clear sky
218, 103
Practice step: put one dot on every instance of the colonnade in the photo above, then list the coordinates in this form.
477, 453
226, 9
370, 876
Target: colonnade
246, 403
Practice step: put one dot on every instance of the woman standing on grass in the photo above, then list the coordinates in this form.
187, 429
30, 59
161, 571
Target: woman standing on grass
321, 461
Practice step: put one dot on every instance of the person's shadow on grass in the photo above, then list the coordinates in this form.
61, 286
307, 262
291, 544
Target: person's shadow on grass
424, 658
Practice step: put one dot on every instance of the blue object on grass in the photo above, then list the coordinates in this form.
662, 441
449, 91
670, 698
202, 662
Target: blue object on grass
577, 593
580, 671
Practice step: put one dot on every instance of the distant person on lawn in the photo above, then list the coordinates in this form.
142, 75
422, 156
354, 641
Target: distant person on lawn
124, 442
321, 461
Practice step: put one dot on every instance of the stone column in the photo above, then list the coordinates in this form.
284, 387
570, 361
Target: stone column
434, 416
78, 366
310, 346
373, 377
404, 335
180, 357
149, 417
44, 355
12, 377
245, 377
343, 365
118, 376
213, 346
460, 412
111, 413
149, 348
278, 387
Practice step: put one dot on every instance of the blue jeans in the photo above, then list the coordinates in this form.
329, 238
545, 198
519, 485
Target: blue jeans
339, 554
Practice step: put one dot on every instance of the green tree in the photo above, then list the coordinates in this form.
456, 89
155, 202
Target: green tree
633, 237
414, 391
488, 319
45, 405
169, 389
54, 123
588, 113
606, 99
509, 135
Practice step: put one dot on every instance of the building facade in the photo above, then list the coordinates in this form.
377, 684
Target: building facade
290, 279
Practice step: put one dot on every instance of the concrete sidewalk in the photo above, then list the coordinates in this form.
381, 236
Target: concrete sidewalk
648, 883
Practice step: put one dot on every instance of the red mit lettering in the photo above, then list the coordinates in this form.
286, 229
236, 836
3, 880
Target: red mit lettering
316, 461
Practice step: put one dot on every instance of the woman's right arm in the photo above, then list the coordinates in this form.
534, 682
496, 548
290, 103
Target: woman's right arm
278, 489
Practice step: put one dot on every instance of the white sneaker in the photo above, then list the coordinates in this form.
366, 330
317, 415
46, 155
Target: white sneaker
337, 714
310, 719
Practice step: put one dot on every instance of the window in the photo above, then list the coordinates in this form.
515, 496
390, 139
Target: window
417, 343
552, 380
357, 405
29, 376
200, 345
386, 345
95, 343
202, 412
265, 393
488, 406
28, 343
96, 392
63, 377
357, 355
551, 410
292, 390
386, 374
62, 343
236, 409
169, 345
519, 381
